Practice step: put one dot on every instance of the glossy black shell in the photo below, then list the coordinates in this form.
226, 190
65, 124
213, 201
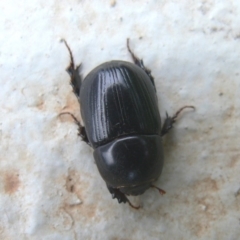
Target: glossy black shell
118, 99
122, 121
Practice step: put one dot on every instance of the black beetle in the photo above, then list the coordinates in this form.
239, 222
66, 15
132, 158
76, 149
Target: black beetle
119, 108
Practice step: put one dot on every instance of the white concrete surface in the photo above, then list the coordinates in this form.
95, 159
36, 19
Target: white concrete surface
49, 185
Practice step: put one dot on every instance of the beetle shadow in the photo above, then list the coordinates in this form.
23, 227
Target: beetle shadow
170, 145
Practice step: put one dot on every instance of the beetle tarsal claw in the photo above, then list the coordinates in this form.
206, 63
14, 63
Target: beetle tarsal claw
131, 205
161, 191
180, 110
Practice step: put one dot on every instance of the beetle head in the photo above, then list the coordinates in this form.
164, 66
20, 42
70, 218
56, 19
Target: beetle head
135, 190
131, 164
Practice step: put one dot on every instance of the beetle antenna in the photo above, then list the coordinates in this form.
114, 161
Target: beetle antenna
161, 191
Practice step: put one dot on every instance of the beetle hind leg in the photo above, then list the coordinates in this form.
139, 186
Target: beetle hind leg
74, 72
139, 62
121, 197
169, 121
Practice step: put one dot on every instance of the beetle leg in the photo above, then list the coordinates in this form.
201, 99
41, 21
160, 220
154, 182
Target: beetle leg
74, 72
81, 130
139, 62
169, 121
116, 193
76, 82
161, 191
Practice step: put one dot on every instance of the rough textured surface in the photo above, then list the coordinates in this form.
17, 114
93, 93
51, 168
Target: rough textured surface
49, 185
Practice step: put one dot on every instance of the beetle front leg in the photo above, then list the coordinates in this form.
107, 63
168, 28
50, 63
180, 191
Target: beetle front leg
139, 62
116, 193
74, 73
169, 121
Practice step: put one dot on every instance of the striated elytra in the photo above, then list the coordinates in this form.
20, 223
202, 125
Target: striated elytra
122, 124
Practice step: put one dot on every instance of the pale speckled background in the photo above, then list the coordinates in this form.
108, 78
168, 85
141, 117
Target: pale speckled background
49, 185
